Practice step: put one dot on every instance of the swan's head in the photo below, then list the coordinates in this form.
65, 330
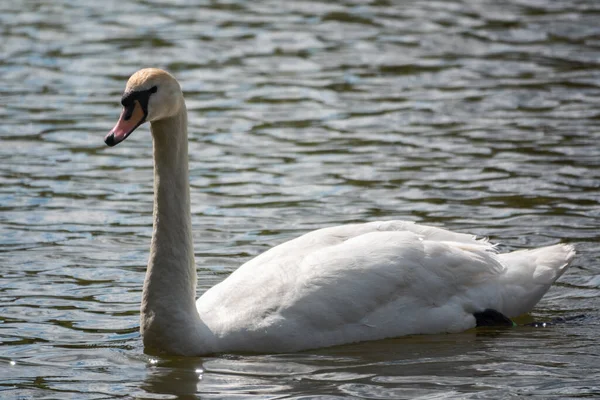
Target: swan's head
150, 95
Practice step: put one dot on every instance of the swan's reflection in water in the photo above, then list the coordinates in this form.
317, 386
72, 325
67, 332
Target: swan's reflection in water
452, 366
174, 376
395, 368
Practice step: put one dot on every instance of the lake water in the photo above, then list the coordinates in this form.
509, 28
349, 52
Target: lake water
479, 116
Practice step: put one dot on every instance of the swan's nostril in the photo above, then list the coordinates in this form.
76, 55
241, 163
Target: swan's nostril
110, 139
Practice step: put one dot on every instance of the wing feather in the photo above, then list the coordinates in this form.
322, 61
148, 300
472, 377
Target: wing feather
338, 276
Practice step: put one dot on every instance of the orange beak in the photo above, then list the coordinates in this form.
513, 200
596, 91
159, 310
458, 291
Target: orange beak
129, 120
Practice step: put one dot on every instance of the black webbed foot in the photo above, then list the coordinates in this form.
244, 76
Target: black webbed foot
489, 317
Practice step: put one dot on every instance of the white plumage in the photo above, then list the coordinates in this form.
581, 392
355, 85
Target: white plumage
373, 281
331, 286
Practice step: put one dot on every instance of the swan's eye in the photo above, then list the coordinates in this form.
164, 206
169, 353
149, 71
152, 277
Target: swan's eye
153, 89
127, 101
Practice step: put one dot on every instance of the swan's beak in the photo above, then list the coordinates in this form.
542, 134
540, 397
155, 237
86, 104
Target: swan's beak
131, 118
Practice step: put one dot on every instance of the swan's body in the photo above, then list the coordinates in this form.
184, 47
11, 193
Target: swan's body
331, 286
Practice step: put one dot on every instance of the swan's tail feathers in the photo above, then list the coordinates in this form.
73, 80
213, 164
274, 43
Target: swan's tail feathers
530, 273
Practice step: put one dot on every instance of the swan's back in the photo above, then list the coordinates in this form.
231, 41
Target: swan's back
373, 281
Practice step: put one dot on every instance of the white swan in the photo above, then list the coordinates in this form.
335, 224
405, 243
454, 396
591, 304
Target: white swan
331, 286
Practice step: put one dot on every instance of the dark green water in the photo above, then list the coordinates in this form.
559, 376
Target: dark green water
479, 116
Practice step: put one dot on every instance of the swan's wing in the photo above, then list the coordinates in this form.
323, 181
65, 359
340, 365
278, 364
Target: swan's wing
335, 283
326, 237
353, 280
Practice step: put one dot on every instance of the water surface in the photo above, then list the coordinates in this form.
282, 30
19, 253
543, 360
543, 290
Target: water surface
479, 116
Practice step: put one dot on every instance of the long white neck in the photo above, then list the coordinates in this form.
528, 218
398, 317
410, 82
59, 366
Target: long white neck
169, 318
